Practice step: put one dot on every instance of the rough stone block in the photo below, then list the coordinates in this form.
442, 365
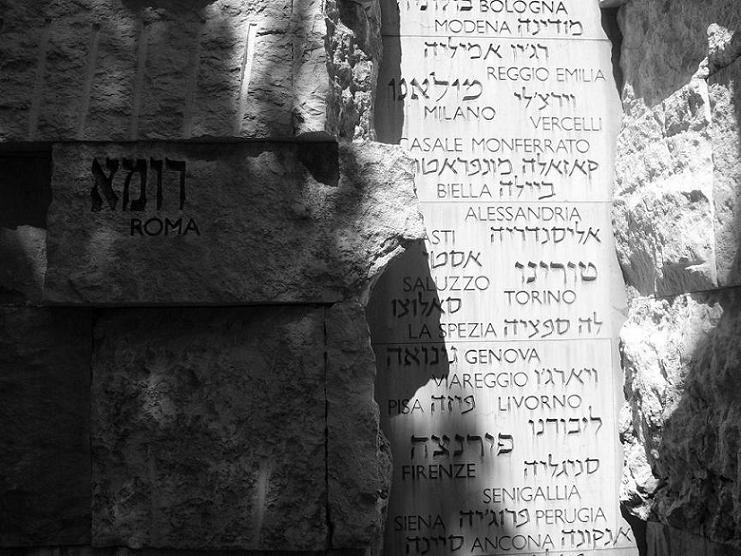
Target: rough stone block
678, 157
359, 466
44, 409
681, 359
725, 135
111, 70
230, 224
209, 429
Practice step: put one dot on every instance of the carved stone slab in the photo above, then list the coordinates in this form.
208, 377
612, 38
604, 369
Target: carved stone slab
224, 224
500, 19
495, 337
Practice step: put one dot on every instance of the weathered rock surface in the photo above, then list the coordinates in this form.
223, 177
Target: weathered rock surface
44, 440
209, 429
667, 541
682, 360
25, 194
677, 159
237, 428
354, 50
249, 223
127, 69
676, 224
359, 466
246, 428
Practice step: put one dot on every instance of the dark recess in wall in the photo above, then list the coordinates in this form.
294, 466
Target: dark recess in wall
322, 161
613, 32
25, 186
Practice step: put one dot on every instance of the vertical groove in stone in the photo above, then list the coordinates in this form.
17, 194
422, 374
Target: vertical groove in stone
38, 84
261, 493
92, 57
192, 87
141, 62
246, 73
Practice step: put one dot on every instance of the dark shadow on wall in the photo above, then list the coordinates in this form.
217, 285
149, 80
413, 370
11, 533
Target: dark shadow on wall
638, 526
406, 298
25, 185
389, 111
727, 164
25, 196
612, 29
417, 402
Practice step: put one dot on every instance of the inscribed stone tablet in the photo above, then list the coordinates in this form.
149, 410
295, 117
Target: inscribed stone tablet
495, 337
224, 224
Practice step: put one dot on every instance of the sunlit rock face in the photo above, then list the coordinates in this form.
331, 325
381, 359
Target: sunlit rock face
676, 223
196, 181
678, 162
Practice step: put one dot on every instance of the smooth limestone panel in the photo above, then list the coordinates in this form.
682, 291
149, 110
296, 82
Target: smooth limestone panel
535, 19
495, 338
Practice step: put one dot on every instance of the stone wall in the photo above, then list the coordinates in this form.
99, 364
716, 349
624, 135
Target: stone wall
192, 212
676, 218
214, 391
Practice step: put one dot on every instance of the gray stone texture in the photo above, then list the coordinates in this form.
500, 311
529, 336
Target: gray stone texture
251, 429
209, 429
676, 217
359, 459
112, 70
23, 256
667, 541
276, 223
678, 149
44, 440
